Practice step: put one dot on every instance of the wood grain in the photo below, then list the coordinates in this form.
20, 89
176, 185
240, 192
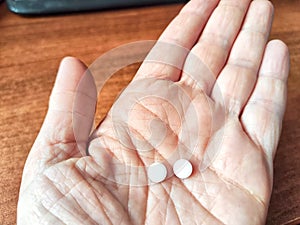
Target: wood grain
30, 52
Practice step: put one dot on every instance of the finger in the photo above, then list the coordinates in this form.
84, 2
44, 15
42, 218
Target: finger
237, 79
263, 114
71, 108
214, 44
56, 141
183, 31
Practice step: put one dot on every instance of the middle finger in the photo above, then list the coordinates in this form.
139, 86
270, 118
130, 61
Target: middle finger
215, 43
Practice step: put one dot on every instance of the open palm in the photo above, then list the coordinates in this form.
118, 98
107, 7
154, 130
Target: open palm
236, 131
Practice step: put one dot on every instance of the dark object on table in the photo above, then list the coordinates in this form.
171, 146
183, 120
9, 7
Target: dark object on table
62, 6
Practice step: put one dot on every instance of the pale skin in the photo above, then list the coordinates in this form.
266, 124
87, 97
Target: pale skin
60, 186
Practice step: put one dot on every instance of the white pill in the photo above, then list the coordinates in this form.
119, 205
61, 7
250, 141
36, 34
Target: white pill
157, 172
182, 168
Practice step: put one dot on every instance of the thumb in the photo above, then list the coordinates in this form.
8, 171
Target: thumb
71, 111
57, 140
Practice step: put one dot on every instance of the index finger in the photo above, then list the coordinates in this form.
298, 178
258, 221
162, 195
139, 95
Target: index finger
183, 31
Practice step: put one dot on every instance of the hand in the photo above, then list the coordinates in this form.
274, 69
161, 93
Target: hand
60, 186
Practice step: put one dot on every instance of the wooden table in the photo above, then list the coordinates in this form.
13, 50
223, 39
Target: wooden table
30, 52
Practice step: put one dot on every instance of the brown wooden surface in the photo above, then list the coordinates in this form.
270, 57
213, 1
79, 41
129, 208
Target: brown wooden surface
30, 52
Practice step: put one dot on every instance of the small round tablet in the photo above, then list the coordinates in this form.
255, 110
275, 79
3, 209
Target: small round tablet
182, 168
157, 172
